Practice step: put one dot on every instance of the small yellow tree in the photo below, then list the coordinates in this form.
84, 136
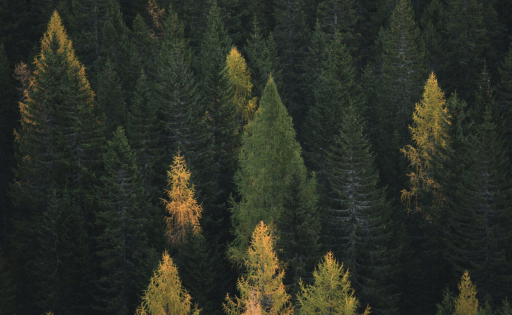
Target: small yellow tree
428, 133
184, 211
466, 303
262, 289
331, 292
241, 87
165, 295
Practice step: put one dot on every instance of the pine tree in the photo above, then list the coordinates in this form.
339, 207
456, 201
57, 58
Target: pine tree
292, 38
263, 279
165, 295
484, 99
111, 99
429, 133
433, 22
359, 219
122, 245
262, 59
60, 139
331, 292
466, 303
338, 18
268, 157
239, 82
479, 232
183, 210
144, 45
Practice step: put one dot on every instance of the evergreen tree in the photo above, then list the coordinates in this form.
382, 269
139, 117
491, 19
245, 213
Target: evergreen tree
111, 99
263, 281
331, 292
484, 99
268, 158
122, 245
165, 295
433, 22
466, 303
466, 45
144, 45
335, 91
292, 37
504, 95
359, 219
183, 210
480, 234
60, 139
262, 59
61, 268
7, 288
338, 18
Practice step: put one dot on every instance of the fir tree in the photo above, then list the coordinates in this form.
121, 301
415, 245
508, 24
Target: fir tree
338, 18
330, 293
7, 288
183, 210
165, 295
504, 95
263, 281
479, 236
268, 158
359, 219
484, 99
145, 46
122, 245
433, 22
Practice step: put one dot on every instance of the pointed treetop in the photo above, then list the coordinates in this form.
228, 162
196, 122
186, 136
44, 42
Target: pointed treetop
466, 303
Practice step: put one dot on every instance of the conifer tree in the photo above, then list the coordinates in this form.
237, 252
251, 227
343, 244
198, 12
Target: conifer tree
262, 59
335, 91
263, 280
122, 245
184, 211
504, 95
338, 18
429, 133
292, 38
165, 295
433, 22
60, 139
268, 158
359, 219
110, 99
239, 82
484, 99
330, 293
479, 235
7, 288
466, 303
145, 46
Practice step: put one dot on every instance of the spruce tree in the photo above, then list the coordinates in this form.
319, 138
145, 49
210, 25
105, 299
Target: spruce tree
331, 292
165, 293
122, 244
7, 288
433, 22
359, 219
338, 18
268, 158
263, 281
479, 232
504, 95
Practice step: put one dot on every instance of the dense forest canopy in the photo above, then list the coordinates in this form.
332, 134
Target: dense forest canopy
256, 157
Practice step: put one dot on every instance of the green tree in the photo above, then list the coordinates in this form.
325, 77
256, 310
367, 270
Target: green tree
268, 158
165, 294
433, 22
7, 288
359, 222
122, 244
504, 95
338, 19
263, 282
330, 293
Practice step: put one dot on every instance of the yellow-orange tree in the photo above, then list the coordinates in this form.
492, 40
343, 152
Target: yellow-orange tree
239, 82
466, 303
165, 295
263, 284
182, 207
429, 132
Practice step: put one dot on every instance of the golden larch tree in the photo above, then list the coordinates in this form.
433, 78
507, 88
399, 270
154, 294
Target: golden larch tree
165, 295
429, 131
466, 303
240, 86
182, 207
261, 289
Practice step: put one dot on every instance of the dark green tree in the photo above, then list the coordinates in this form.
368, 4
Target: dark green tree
7, 288
359, 219
122, 244
504, 96
480, 233
338, 18
433, 22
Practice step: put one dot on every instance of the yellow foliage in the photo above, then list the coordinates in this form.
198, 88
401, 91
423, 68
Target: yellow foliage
165, 294
240, 82
466, 303
428, 132
182, 207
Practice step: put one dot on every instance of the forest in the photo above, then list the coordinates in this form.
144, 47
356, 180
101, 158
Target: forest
256, 157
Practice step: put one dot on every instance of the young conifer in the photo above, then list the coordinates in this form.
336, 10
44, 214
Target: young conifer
263, 282
165, 294
330, 293
466, 303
